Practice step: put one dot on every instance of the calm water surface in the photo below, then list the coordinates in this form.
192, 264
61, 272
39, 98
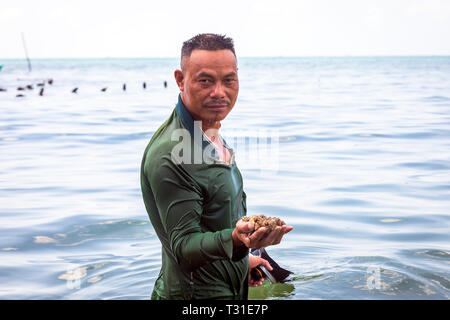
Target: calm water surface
362, 172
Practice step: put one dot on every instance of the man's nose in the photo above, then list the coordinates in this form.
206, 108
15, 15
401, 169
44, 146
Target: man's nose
218, 91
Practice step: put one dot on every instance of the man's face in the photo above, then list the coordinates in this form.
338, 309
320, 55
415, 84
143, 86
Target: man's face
209, 84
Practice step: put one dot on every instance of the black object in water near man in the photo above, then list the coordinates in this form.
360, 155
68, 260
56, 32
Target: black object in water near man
278, 274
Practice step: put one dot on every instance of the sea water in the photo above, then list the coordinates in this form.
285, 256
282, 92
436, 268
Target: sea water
359, 165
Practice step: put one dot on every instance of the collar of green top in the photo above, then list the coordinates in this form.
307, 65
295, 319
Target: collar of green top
185, 116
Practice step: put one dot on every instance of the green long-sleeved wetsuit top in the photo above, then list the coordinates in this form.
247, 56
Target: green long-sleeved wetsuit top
193, 207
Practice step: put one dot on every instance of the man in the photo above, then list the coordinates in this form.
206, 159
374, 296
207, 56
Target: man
193, 190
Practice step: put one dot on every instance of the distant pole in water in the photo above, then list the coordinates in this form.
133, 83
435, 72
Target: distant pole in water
144, 85
124, 87
26, 53
41, 92
165, 84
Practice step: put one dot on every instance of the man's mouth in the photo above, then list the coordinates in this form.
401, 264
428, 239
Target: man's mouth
217, 106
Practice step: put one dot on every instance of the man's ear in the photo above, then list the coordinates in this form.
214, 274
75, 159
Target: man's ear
179, 78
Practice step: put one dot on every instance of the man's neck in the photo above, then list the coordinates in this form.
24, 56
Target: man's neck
212, 126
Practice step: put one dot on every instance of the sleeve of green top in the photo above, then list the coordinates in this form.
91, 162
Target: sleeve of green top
180, 204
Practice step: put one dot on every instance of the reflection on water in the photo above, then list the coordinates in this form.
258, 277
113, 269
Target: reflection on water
270, 290
362, 175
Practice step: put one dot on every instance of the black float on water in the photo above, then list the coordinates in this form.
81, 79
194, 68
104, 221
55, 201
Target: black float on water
41, 84
104, 89
30, 87
75, 90
20, 88
2, 90
50, 81
20, 95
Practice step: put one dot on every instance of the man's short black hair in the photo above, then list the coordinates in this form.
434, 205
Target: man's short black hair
206, 41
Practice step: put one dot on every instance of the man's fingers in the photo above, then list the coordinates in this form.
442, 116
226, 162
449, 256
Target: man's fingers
246, 241
254, 283
273, 236
279, 236
245, 227
282, 231
287, 229
261, 238
258, 234
258, 261
265, 263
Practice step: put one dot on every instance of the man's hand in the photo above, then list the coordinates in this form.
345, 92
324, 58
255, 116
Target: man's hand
258, 239
253, 262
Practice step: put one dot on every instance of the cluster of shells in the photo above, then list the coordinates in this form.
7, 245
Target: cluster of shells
262, 221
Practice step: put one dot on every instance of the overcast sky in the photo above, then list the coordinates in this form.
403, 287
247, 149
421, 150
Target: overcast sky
148, 28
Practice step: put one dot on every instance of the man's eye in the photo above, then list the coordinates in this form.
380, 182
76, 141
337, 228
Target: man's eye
205, 81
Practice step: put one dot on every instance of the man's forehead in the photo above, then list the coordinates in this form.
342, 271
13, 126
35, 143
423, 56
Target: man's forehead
218, 60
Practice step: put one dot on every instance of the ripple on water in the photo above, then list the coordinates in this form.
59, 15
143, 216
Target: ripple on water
376, 187
105, 230
346, 202
436, 99
390, 220
382, 277
296, 138
428, 165
10, 139
115, 275
434, 253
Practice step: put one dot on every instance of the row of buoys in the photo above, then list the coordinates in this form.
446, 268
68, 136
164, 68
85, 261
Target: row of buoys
124, 87
30, 87
74, 90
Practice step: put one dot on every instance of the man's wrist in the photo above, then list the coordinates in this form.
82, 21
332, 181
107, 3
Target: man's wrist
236, 241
